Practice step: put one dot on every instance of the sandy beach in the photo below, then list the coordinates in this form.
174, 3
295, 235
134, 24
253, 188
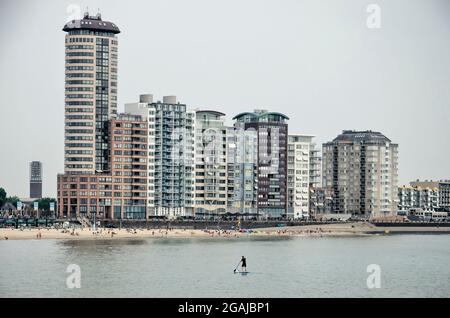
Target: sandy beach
346, 229
103, 233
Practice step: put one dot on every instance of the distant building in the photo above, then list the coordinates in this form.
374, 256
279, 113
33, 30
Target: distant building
361, 168
443, 188
417, 197
35, 179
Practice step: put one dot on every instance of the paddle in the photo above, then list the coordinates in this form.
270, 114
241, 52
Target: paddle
237, 266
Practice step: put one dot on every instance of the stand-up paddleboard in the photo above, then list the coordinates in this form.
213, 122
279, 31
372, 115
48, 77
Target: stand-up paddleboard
244, 265
243, 273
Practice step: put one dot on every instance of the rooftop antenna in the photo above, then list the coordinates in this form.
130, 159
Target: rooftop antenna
99, 16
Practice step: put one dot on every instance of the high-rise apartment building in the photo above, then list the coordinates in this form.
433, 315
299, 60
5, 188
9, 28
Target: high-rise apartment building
170, 155
210, 164
272, 134
242, 161
91, 50
361, 168
129, 135
301, 165
35, 179
105, 152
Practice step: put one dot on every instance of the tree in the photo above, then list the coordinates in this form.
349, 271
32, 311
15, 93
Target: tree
44, 205
2, 196
13, 200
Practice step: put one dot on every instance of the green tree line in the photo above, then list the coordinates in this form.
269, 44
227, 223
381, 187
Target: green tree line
44, 203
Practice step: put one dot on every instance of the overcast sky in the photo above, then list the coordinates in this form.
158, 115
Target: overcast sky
315, 61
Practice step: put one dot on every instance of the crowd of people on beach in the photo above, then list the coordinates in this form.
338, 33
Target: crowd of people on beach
169, 231
318, 231
223, 233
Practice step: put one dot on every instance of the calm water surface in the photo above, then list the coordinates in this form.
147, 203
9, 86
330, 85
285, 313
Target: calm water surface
411, 266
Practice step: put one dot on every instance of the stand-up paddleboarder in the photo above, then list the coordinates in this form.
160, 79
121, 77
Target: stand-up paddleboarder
244, 264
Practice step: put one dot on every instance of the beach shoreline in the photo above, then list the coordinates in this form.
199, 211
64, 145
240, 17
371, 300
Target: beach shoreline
105, 233
327, 230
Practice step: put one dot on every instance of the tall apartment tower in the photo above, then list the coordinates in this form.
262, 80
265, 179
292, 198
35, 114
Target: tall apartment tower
272, 133
361, 169
210, 164
301, 168
242, 161
170, 155
91, 93
35, 179
105, 161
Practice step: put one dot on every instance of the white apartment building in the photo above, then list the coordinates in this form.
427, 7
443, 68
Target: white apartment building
170, 155
210, 193
409, 197
303, 173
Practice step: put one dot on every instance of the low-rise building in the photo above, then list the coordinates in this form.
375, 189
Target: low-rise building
443, 188
320, 201
417, 197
